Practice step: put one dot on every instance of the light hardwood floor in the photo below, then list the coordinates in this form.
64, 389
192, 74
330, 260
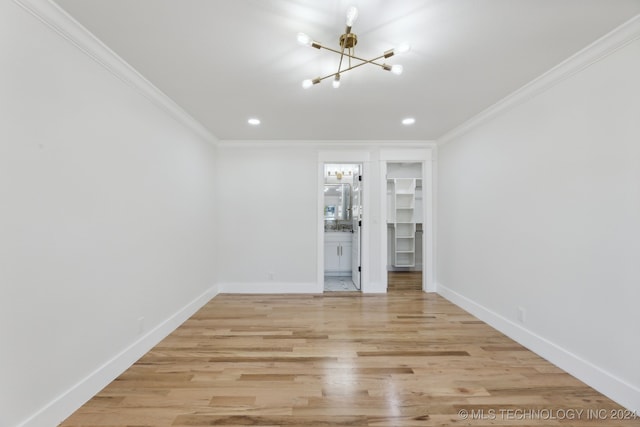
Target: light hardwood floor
404, 281
400, 359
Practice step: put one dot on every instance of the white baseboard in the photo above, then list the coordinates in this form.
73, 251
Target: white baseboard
287, 288
270, 288
64, 405
611, 386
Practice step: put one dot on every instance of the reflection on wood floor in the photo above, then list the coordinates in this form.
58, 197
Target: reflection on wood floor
400, 359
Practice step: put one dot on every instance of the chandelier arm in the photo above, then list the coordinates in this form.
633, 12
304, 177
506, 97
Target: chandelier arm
364, 61
341, 56
342, 53
367, 61
383, 66
370, 61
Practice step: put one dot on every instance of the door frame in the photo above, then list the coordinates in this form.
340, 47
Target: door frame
344, 156
425, 157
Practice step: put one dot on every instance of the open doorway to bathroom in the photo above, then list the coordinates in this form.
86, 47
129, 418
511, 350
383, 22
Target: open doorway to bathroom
405, 219
342, 226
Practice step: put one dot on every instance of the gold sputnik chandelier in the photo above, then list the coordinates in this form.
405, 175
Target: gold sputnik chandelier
348, 42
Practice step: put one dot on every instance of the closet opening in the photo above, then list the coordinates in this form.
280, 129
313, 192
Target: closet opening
405, 219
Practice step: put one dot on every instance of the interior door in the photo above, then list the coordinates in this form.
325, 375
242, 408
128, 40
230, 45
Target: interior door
356, 210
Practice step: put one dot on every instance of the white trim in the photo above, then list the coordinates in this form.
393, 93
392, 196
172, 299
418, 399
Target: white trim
427, 158
320, 225
429, 225
611, 386
66, 403
383, 228
71, 30
270, 288
402, 154
325, 144
374, 288
345, 156
596, 51
434, 219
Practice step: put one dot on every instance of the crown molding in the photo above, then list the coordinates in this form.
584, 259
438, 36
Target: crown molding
596, 51
52, 15
323, 144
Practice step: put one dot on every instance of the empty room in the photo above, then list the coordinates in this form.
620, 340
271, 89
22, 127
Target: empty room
305, 212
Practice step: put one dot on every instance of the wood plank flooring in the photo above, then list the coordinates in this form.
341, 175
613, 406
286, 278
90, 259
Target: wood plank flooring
404, 281
400, 359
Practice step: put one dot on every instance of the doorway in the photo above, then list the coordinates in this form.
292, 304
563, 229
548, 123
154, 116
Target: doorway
342, 195
405, 220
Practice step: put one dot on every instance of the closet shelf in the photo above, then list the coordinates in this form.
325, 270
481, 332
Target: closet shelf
404, 196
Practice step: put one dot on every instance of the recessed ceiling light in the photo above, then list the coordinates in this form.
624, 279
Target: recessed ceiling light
253, 121
408, 121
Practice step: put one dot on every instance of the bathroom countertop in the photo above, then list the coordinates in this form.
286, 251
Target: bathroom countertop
337, 236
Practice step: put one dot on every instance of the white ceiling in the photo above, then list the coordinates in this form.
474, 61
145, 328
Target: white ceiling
224, 61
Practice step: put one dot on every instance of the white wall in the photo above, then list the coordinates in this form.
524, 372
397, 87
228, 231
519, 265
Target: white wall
270, 213
539, 208
107, 216
267, 218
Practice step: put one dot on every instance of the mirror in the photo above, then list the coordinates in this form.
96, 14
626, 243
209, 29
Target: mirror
337, 202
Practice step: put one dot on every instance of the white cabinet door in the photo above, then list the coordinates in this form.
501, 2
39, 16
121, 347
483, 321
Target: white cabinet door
345, 258
337, 256
331, 257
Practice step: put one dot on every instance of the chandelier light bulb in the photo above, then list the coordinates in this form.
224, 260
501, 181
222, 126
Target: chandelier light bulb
352, 14
336, 81
347, 42
304, 39
397, 69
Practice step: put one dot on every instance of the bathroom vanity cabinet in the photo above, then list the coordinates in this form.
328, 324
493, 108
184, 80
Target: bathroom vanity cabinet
337, 254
